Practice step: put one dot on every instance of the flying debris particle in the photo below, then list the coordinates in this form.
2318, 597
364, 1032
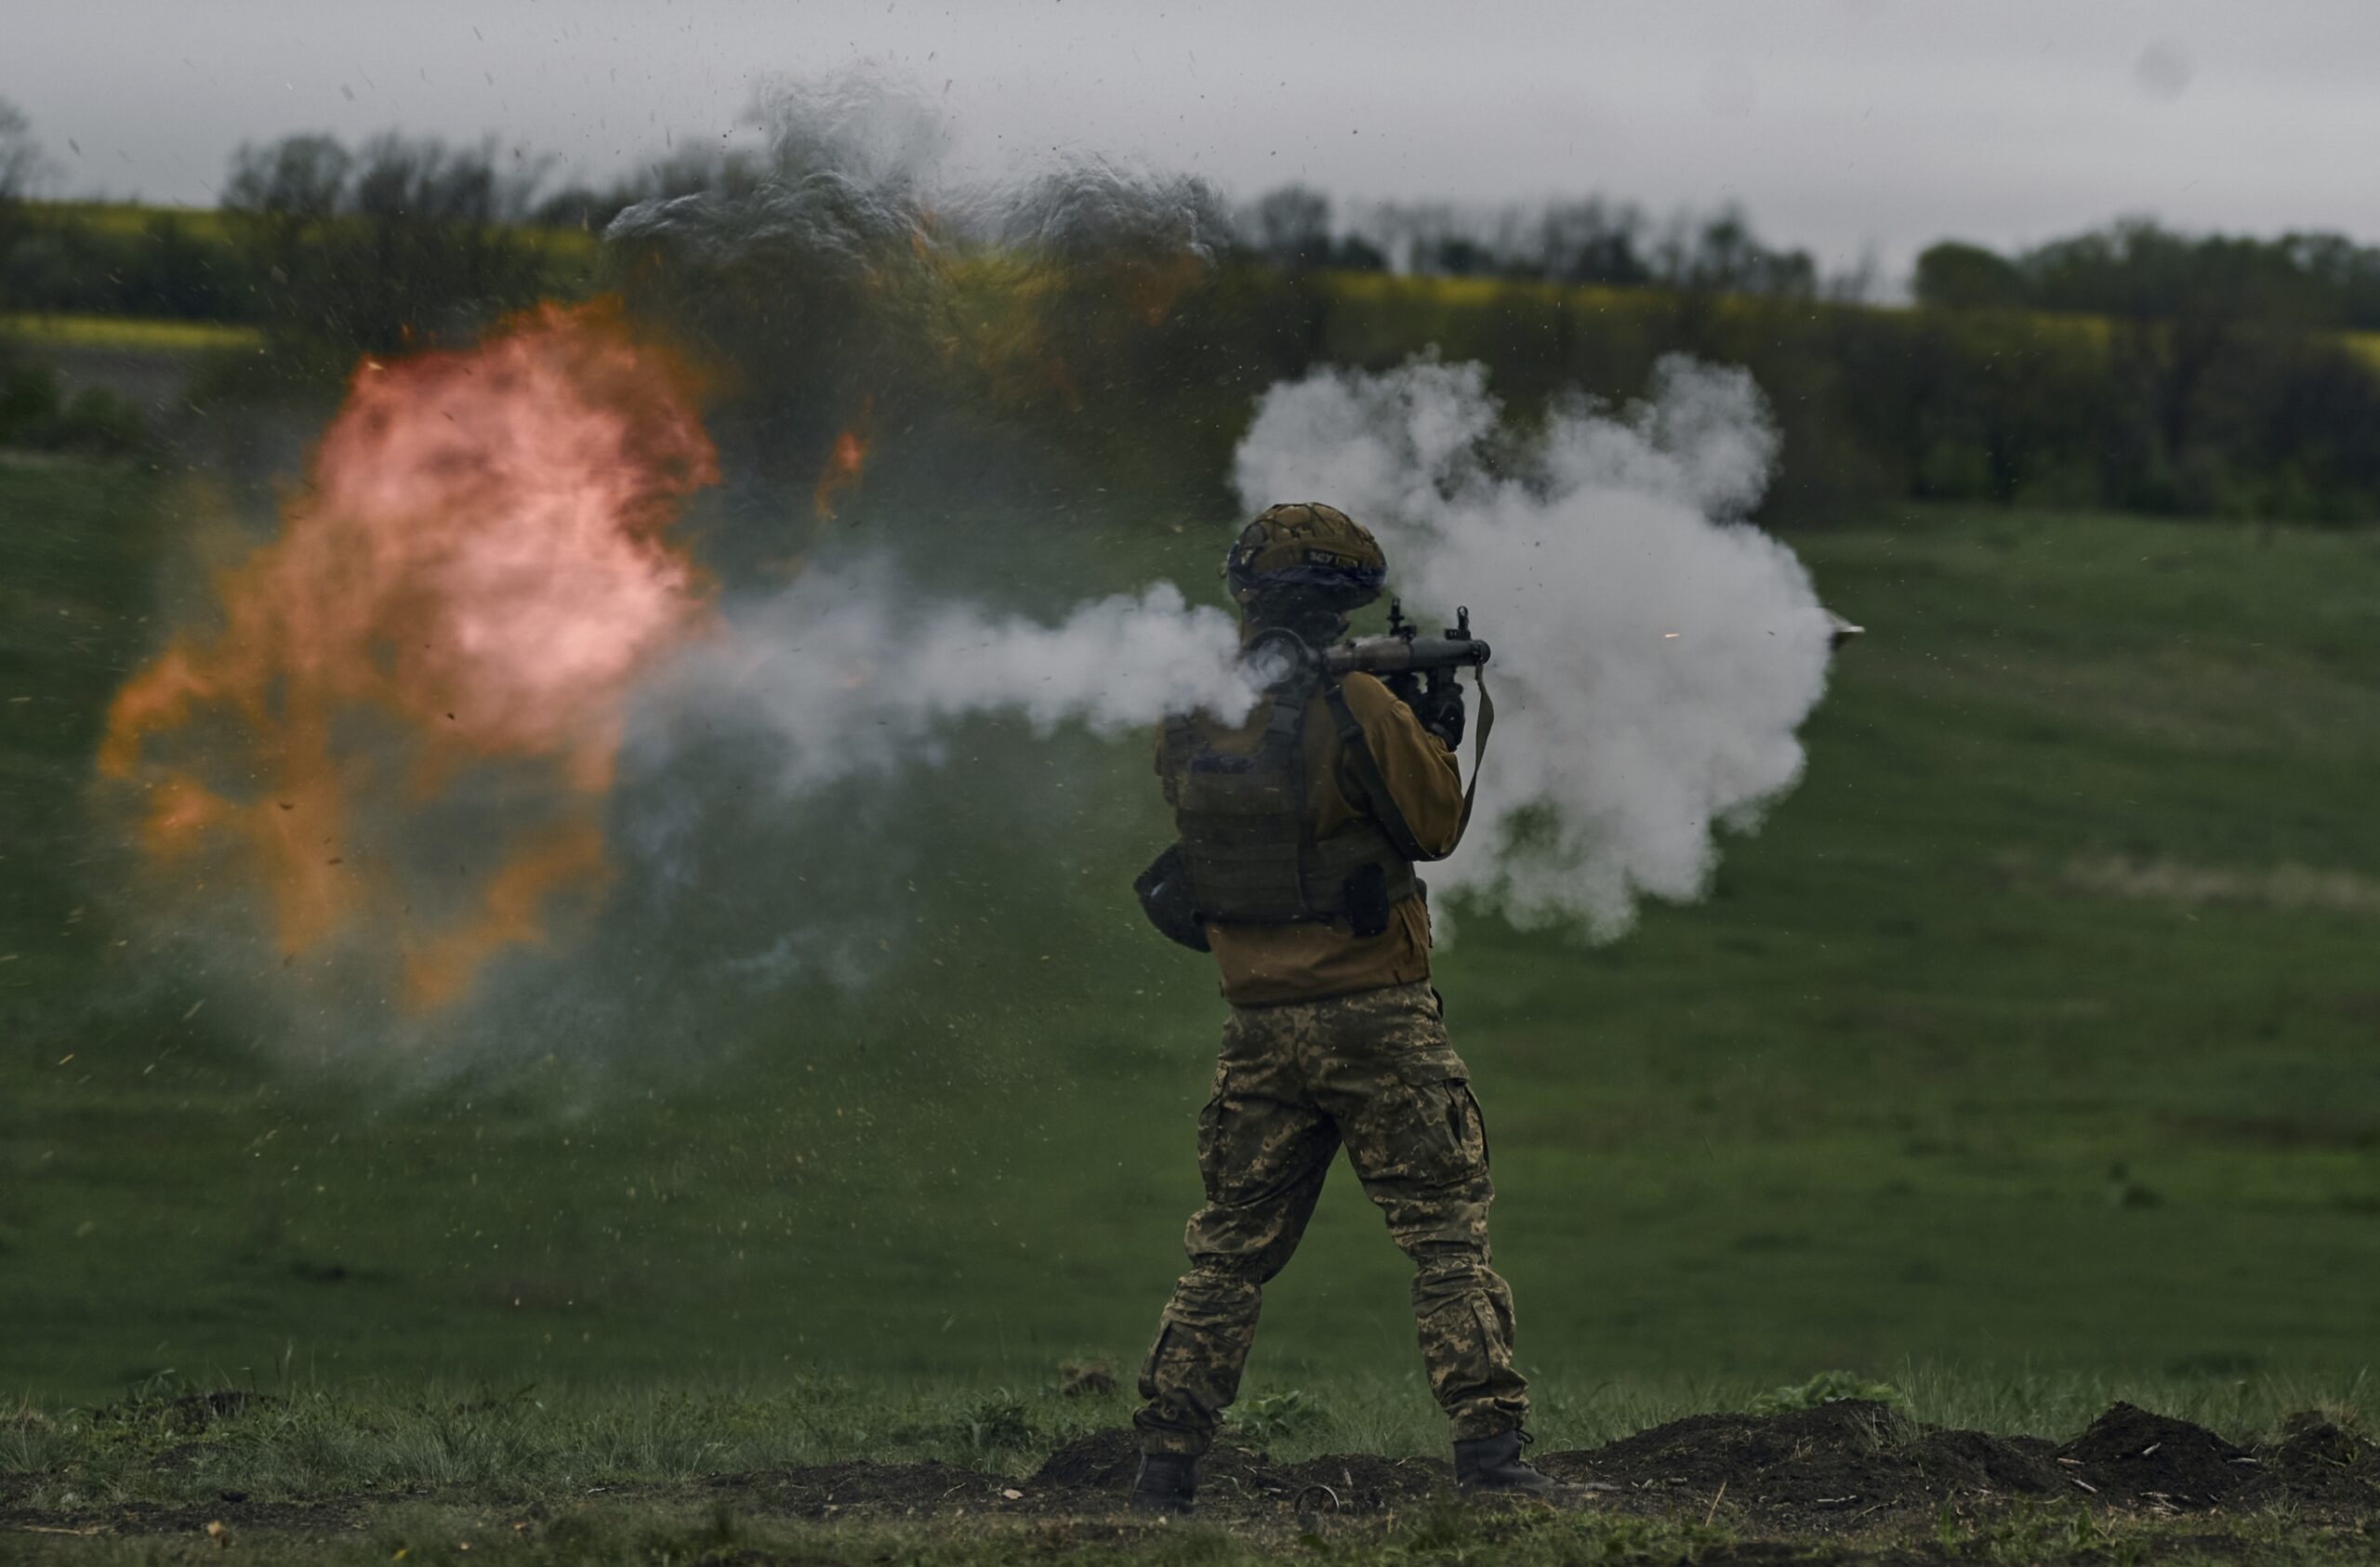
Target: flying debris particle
194, 1008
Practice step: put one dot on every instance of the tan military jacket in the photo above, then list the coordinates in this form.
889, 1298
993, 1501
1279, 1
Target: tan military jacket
1265, 964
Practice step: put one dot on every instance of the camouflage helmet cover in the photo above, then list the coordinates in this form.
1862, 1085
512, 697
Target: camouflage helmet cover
1306, 547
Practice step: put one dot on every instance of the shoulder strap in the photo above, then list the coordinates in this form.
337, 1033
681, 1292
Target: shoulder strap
1284, 732
1358, 751
1478, 750
1367, 766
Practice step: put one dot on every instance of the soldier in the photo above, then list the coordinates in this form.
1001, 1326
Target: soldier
1299, 830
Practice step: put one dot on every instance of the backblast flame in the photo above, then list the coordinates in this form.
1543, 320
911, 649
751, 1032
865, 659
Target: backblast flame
845, 462
476, 574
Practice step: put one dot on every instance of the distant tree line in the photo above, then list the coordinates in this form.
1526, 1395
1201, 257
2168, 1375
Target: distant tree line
2132, 366
2136, 269
1589, 241
35, 411
396, 241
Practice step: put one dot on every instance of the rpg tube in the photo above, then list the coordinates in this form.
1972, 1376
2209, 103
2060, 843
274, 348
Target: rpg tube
1398, 655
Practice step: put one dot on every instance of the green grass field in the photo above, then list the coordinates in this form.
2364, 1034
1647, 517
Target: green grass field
2023, 1058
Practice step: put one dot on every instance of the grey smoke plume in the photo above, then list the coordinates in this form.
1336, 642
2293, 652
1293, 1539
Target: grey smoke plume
854, 175
843, 185
852, 678
1091, 211
1655, 653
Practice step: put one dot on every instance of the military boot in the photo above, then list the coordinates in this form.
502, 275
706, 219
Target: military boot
1492, 1465
1168, 1483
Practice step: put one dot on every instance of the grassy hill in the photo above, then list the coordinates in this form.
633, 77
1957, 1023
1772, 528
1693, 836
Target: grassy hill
2029, 1039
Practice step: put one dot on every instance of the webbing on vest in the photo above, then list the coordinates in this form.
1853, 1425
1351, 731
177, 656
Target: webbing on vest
1246, 842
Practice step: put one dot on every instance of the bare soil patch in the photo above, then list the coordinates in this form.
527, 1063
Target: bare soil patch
1834, 1470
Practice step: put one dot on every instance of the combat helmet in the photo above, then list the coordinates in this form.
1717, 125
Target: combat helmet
1309, 552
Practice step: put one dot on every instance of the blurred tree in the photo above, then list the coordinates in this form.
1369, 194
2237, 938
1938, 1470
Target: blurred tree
298, 180
405, 241
21, 166
1721, 254
1589, 242
1356, 253
2137, 269
1291, 228
1955, 275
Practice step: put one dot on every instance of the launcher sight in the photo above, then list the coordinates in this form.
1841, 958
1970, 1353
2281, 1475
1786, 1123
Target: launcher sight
1404, 650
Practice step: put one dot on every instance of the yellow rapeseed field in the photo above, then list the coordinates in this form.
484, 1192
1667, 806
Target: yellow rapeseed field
131, 334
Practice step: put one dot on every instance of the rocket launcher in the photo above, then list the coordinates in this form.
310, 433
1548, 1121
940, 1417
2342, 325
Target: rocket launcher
1280, 658
1406, 651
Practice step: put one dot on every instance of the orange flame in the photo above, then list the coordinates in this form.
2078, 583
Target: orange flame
476, 574
845, 462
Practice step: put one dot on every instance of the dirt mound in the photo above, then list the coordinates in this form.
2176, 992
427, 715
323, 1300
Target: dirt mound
1850, 1458
2131, 1455
1824, 1468
2319, 1465
1103, 1460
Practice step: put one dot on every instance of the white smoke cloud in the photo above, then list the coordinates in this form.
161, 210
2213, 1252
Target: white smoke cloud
1654, 653
854, 683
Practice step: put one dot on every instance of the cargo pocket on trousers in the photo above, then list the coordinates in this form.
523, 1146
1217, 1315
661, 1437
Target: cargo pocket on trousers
1211, 1118
1459, 1351
1152, 1384
1478, 1125
1447, 1137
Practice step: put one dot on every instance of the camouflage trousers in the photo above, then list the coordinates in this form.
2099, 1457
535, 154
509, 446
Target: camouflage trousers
1372, 1071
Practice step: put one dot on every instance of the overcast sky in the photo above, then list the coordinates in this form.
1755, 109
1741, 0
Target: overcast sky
1841, 125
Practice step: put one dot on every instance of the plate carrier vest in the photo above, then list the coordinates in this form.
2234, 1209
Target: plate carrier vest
1246, 839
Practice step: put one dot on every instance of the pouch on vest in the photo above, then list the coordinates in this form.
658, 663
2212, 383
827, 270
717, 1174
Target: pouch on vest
1366, 891
1164, 890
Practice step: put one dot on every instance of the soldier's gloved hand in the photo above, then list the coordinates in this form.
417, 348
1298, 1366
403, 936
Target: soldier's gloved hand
1440, 710
1404, 685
